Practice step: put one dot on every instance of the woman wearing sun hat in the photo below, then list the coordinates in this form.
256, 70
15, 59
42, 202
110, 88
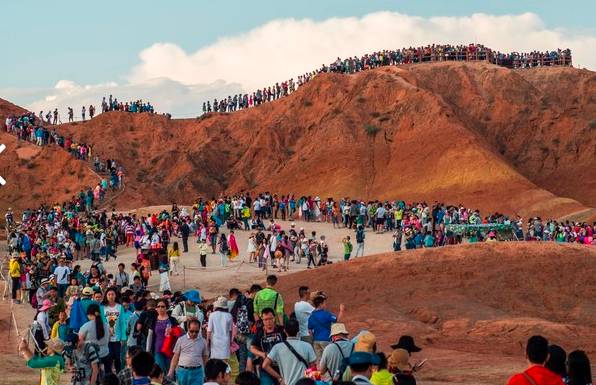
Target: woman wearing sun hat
51, 365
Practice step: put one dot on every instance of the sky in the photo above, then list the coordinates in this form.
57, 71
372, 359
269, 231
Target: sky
179, 53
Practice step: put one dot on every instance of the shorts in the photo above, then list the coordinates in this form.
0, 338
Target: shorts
380, 221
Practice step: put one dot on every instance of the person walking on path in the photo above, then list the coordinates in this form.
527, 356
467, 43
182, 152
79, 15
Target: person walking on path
190, 355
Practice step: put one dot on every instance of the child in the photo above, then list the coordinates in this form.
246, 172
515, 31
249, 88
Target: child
347, 248
203, 250
60, 327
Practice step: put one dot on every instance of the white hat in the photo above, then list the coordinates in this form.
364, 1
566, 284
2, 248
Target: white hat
221, 303
338, 328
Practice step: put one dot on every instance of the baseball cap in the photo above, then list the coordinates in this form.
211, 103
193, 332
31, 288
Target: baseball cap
359, 358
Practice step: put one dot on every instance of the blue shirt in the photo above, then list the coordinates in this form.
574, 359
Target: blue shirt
320, 323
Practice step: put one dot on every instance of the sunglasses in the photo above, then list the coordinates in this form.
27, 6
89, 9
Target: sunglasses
193, 332
161, 306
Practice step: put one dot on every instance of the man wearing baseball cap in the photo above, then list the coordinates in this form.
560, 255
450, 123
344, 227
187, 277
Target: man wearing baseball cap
361, 364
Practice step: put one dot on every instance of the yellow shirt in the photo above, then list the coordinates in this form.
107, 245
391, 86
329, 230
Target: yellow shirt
382, 377
14, 268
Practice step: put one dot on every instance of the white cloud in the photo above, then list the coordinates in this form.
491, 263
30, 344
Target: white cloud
178, 82
281, 49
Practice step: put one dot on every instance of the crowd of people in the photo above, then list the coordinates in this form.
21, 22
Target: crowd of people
107, 327
28, 128
135, 106
411, 55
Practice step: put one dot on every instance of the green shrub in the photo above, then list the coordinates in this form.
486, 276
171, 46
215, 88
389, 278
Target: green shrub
371, 130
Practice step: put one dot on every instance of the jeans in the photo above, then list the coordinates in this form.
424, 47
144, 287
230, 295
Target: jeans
162, 361
203, 260
360, 249
62, 290
193, 376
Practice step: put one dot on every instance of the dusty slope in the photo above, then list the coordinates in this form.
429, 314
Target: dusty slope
47, 175
316, 141
542, 121
481, 299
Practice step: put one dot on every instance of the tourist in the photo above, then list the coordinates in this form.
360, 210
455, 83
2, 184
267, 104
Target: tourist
536, 355
266, 337
399, 364
579, 368
203, 250
190, 355
269, 298
125, 376
334, 359
347, 248
243, 316
42, 320
115, 315
164, 275
224, 250
161, 327
174, 258
85, 361
51, 365
220, 330
188, 309
14, 270
142, 366
97, 331
407, 343
292, 356
360, 240
556, 363
217, 372
302, 310
382, 376
320, 321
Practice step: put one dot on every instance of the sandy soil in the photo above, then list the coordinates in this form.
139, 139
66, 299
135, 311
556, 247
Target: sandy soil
470, 306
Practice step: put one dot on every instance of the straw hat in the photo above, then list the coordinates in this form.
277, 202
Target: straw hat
338, 328
365, 343
220, 303
399, 359
55, 344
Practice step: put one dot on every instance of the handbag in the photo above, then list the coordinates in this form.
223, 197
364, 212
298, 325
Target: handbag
167, 349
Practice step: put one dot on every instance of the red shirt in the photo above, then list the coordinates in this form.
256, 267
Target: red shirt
539, 374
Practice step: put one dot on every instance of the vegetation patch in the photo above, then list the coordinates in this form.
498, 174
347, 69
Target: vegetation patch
371, 129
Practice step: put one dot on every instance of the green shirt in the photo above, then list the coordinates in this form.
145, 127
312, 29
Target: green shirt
267, 298
51, 368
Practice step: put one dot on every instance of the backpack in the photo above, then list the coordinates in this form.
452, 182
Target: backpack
243, 322
345, 361
359, 236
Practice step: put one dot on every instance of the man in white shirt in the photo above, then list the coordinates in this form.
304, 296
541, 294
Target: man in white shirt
190, 354
62, 274
219, 330
302, 309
